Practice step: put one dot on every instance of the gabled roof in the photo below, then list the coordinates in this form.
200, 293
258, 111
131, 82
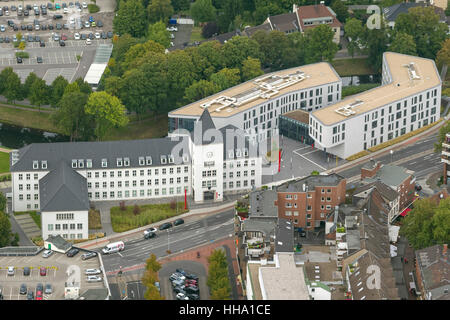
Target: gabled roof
391, 13
284, 22
59, 242
63, 189
386, 191
252, 30
316, 11
390, 175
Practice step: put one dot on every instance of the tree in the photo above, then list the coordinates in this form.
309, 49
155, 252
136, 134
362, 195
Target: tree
251, 68
203, 11
158, 33
3, 202
133, 91
152, 264
226, 78
422, 23
130, 18
4, 78
107, 112
28, 83
443, 56
340, 9
121, 47
218, 279
58, 87
159, 10
272, 46
180, 5
238, 49
209, 29
199, 90
376, 44
5, 230
428, 223
180, 72
320, 45
139, 54
113, 85
84, 86
403, 43
71, 116
39, 92
354, 32
72, 87
13, 89
150, 278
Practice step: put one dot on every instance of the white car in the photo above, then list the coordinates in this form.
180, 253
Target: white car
66, 10
172, 36
10, 271
88, 41
20, 8
84, 5
2, 28
47, 253
97, 35
6, 13
149, 230
77, 36
181, 296
72, 20
87, 24
93, 279
91, 272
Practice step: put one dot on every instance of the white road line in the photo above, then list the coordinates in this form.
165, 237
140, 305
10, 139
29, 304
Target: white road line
310, 161
310, 152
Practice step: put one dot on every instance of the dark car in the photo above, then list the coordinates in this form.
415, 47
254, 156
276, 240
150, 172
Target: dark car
150, 235
418, 187
91, 36
72, 252
58, 26
42, 270
44, 12
50, 27
23, 27
99, 24
30, 295
10, 23
64, 5
23, 288
83, 36
109, 34
103, 35
193, 296
192, 289
7, 40
178, 222
57, 16
43, 27
181, 271
30, 39
40, 287
37, 39
49, 5
88, 255
15, 28
179, 289
29, 27
191, 276
2, 40
165, 226
28, 6
26, 271
65, 26
19, 60
26, 13
42, 44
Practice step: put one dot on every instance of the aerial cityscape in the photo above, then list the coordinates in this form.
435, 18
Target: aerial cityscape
253, 151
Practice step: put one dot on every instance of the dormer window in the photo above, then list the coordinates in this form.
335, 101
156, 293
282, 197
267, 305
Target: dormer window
141, 161
44, 164
231, 154
163, 159
126, 162
238, 153
104, 163
185, 158
74, 163
81, 163
89, 163
148, 160
119, 162
245, 152
171, 159
35, 164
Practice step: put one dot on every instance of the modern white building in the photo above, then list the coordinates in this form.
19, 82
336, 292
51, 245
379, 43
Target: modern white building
254, 106
60, 179
408, 99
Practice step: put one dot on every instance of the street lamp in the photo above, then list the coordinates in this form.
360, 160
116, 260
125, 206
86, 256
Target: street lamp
392, 155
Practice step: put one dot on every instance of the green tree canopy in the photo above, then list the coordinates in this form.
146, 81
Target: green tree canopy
158, 33
443, 55
403, 43
238, 49
340, 9
131, 18
39, 92
159, 10
320, 45
3, 202
199, 90
5, 230
107, 112
28, 83
203, 11
251, 68
441, 137
354, 32
272, 46
226, 78
58, 87
13, 88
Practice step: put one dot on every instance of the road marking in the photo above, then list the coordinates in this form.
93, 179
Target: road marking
310, 160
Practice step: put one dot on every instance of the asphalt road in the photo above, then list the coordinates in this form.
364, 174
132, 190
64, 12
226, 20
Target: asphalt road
180, 238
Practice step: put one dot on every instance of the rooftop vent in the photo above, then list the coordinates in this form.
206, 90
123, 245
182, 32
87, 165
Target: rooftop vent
347, 110
413, 74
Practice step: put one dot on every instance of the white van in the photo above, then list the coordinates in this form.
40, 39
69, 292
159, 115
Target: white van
113, 247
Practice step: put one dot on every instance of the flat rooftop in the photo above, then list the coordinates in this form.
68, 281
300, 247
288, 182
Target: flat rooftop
247, 95
409, 74
287, 282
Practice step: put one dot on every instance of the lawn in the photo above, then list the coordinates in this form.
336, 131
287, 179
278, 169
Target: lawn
94, 219
149, 127
351, 90
352, 67
196, 34
28, 119
4, 162
126, 220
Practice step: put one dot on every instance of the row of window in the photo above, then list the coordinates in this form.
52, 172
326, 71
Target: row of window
230, 164
28, 176
134, 183
134, 193
65, 226
72, 236
238, 174
134, 172
245, 183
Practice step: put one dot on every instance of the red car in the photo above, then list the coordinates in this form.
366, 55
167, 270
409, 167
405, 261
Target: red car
39, 295
63, 37
190, 283
43, 271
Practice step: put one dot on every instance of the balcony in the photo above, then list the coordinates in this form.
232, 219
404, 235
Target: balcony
255, 247
445, 159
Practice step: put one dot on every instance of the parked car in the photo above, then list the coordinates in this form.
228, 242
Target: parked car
181, 271
88, 41
39, 295
150, 230
179, 289
191, 276
165, 226
42, 270
23, 288
91, 36
63, 37
48, 288
84, 37
99, 24
109, 34
88, 255
176, 276
178, 222
149, 235
178, 283
97, 35
192, 289
103, 35
191, 283
2, 28
181, 296
10, 271
93, 279
72, 252
62, 43
86, 24
193, 296
57, 16
91, 272
41, 44
30, 295
76, 36
26, 271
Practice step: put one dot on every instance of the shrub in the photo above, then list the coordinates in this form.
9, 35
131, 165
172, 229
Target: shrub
358, 155
6, 177
38, 241
136, 210
22, 55
93, 8
94, 219
209, 29
122, 206
173, 205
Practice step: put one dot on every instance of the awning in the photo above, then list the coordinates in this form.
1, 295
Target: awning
405, 212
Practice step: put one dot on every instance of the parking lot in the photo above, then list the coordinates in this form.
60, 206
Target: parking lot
56, 267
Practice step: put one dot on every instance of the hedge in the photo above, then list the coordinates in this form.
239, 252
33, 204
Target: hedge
93, 8
358, 155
